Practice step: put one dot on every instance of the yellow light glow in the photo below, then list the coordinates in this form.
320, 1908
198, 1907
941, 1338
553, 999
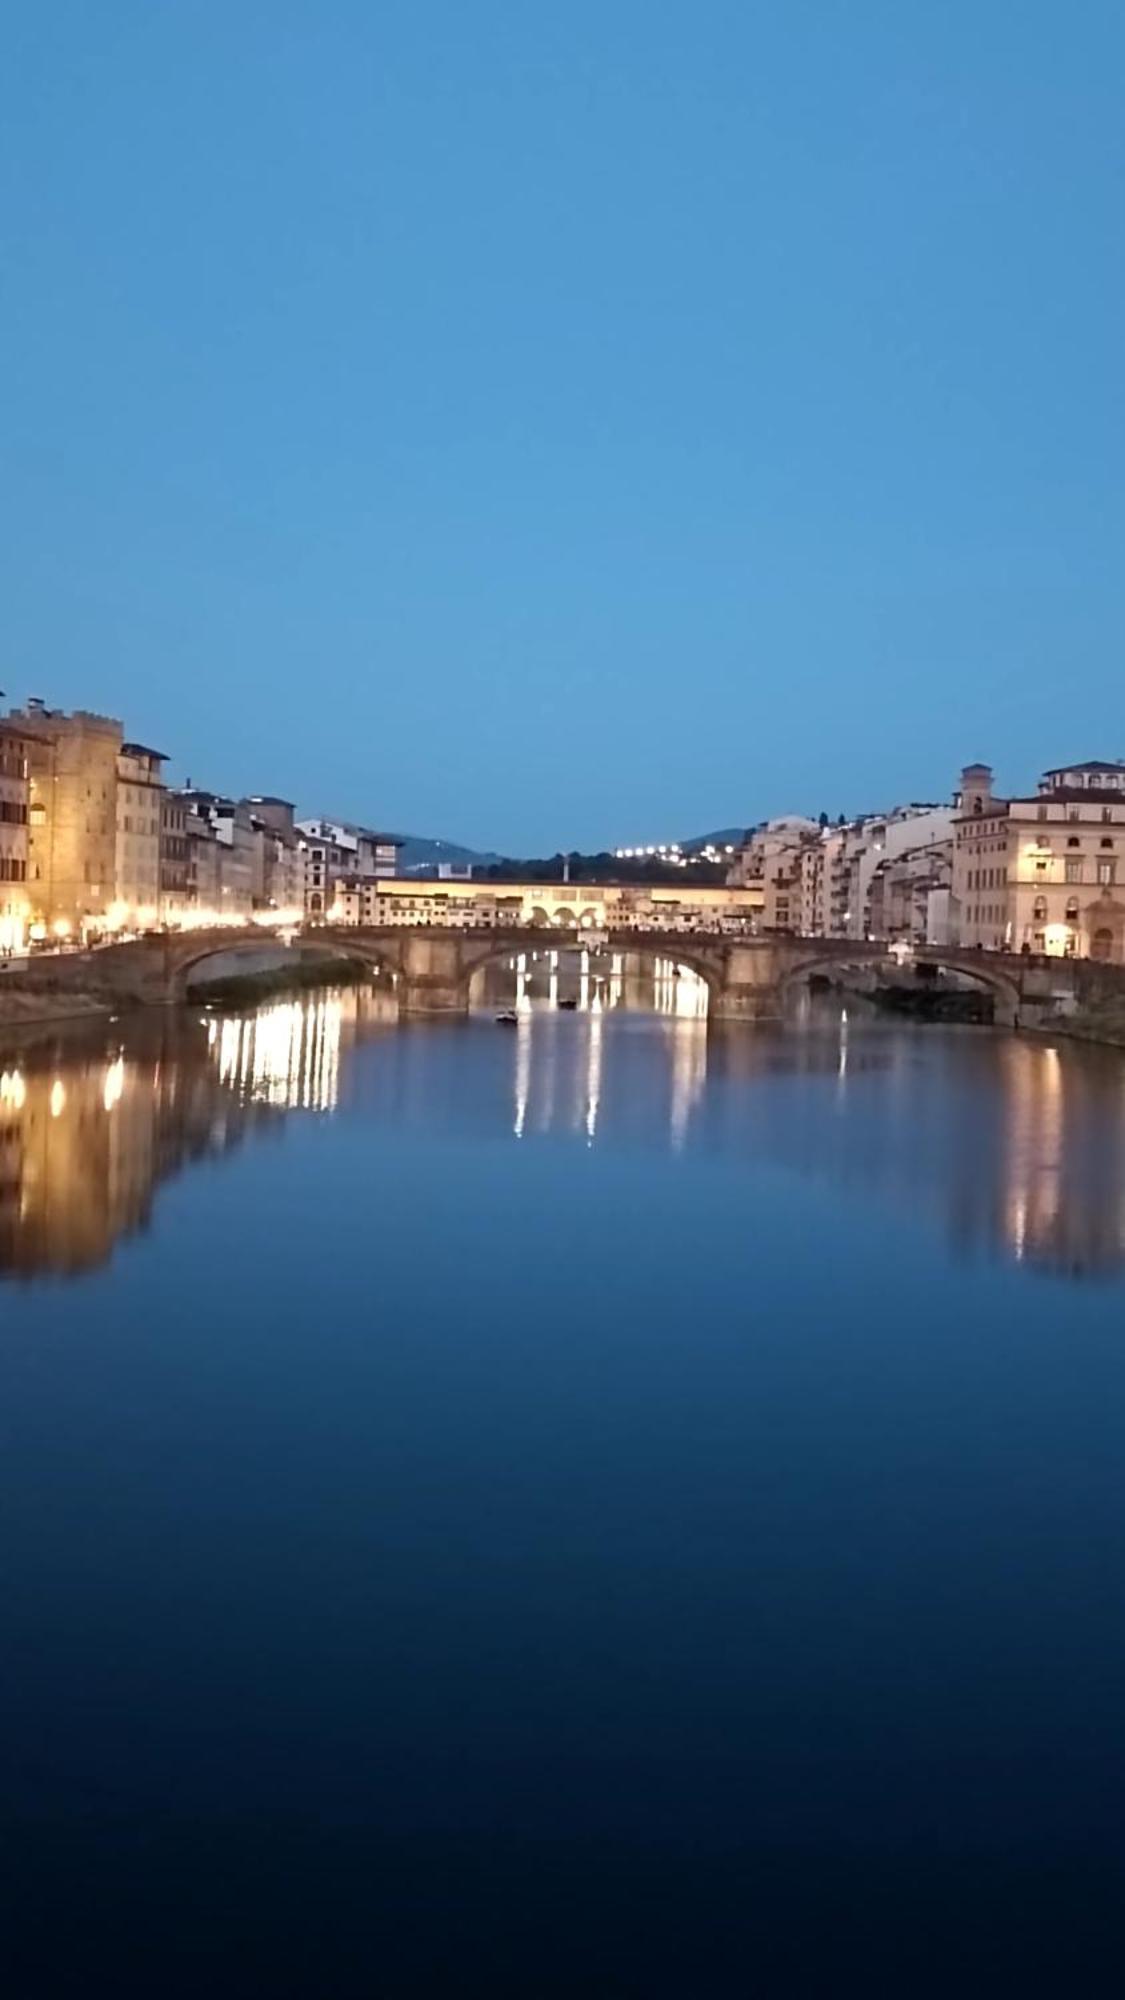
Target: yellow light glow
58, 1099
13, 1089
61, 927
114, 1084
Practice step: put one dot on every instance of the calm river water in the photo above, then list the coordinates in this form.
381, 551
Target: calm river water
582, 1508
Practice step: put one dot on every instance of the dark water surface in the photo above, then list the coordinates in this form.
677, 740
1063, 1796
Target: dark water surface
582, 1509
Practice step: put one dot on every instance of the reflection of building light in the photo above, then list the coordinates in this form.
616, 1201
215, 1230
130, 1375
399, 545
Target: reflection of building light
287, 1055
1034, 1190
594, 1070
678, 990
689, 1072
61, 927
13, 1090
523, 1068
57, 1098
114, 1084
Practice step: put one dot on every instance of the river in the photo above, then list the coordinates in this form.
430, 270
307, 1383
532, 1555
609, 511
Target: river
593, 1506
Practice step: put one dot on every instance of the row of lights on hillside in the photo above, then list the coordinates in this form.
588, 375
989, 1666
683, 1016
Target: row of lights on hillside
672, 852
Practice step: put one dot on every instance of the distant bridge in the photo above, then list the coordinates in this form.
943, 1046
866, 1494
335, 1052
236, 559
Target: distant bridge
747, 977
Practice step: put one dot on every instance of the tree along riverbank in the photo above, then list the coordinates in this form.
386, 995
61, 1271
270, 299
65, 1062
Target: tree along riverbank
238, 989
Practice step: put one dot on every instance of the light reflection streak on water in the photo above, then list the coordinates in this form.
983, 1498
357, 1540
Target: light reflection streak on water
689, 1074
287, 1055
523, 1069
1035, 1148
594, 1069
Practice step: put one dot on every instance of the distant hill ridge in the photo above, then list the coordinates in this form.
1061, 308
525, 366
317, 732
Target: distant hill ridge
419, 851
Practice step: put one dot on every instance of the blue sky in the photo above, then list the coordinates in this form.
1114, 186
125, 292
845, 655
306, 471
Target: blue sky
557, 425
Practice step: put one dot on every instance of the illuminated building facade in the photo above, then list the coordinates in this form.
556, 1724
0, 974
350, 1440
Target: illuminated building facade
175, 855
1042, 874
278, 872
332, 853
563, 905
883, 876
72, 817
14, 790
140, 805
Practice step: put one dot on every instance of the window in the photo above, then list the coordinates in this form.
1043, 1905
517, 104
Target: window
1106, 841
1107, 815
1074, 868
1041, 812
1107, 872
1039, 911
1074, 813
1074, 841
1072, 909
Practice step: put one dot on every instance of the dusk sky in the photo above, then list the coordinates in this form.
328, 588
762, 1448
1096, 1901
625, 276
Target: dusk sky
566, 425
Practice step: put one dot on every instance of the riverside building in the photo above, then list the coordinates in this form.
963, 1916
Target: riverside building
72, 818
137, 902
885, 875
1042, 873
14, 907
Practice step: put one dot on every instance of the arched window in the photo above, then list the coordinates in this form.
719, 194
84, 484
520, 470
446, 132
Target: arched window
1072, 909
1039, 911
1101, 944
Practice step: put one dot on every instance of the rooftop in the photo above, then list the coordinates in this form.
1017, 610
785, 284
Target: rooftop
1116, 765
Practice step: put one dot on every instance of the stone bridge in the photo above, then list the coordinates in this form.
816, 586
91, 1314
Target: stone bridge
747, 977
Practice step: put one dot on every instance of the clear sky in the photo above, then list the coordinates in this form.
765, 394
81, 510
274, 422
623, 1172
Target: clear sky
565, 424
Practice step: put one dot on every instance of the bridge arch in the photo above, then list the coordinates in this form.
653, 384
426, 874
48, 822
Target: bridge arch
971, 965
305, 949
644, 944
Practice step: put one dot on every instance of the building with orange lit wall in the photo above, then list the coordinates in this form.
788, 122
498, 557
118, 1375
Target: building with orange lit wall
72, 817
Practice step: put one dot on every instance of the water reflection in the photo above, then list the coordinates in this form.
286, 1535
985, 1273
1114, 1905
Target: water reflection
288, 1054
1004, 1144
591, 980
89, 1125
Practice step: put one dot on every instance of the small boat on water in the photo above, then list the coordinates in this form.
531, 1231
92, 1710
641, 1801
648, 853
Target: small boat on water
508, 1019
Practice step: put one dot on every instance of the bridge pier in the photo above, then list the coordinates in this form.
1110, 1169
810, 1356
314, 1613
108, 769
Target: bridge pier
432, 975
748, 987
